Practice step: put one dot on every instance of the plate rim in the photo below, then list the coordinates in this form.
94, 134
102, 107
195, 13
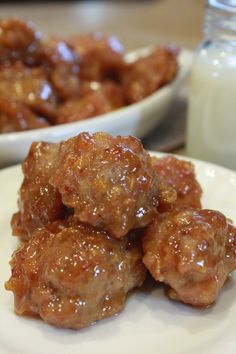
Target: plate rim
218, 168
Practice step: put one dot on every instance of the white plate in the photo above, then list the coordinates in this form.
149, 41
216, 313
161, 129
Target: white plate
137, 119
150, 323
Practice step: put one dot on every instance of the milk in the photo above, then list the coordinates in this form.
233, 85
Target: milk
211, 128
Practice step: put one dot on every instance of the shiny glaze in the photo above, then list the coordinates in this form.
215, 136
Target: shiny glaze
101, 56
179, 175
97, 98
39, 202
19, 41
63, 80
109, 182
73, 275
63, 67
29, 86
192, 251
143, 77
16, 116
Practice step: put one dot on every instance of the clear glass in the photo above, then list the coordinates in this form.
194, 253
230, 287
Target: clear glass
211, 127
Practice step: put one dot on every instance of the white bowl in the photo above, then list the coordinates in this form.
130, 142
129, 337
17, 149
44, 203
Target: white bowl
137, 119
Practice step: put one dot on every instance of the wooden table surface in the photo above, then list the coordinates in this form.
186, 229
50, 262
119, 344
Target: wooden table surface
138, 24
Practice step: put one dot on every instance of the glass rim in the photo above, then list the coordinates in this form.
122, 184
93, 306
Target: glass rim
225, 5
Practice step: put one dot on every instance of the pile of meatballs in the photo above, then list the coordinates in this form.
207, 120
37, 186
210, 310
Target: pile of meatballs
62, 80
96, 214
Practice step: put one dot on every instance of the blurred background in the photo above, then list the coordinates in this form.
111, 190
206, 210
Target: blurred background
137, 24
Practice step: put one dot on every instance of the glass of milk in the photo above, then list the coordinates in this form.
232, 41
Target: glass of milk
211, 124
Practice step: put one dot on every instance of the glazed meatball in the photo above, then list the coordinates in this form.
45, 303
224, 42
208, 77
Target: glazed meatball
101, 56
63, 80
19, 41
108, 181
111, 89
30, 86
63, 67
144, 76
39, 202
179, 175
167, 197
74, 276
101, 98
191, 251
15, 116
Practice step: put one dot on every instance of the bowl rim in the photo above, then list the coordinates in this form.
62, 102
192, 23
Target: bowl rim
185, 58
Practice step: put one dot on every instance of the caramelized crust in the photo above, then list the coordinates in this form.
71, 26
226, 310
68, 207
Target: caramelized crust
39, 202
191, 251
101, 56
65, 80
143, 77
85, 207
180, 176
29, 86
97, 99
63, 68
19, 41
16, 116
73, 276
109, 182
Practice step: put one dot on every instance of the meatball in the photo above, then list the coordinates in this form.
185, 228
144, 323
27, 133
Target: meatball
179, 175
39, 202
144, 76
108, 181
111, 89
100, 99
192, 251
56, 50
63, 67
101, 56
29, 86
19, 41
167, 197
15, 116
73, 276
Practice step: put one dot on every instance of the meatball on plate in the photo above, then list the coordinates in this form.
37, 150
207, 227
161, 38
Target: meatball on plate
74, 268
